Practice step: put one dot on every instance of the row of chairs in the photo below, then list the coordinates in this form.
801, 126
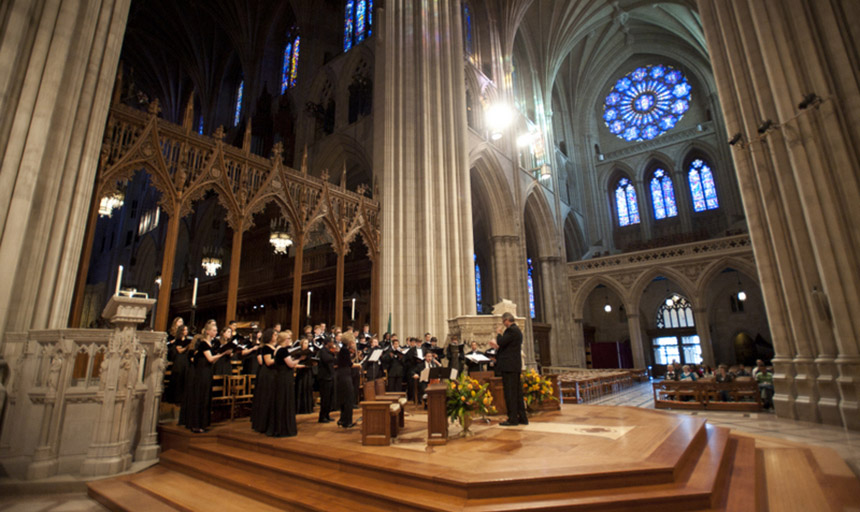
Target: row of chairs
586, 385
232, 392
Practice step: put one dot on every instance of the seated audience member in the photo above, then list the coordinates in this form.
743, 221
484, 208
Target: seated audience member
723, 376
687, 374
764, 378
758, 363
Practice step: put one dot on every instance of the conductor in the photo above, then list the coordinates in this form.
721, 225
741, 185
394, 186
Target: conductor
509, 342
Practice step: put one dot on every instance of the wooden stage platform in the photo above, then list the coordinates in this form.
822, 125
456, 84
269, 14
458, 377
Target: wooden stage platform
580, 458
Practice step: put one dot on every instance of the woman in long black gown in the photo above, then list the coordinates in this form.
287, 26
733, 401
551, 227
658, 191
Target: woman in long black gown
283, 421
264, 391
175, 393
304, 382
199, 393
224, 366
345, 391
250, 351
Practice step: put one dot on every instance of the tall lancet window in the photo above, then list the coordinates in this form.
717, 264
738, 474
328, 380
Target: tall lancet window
290, 69
625, 203
663, 195
467, 29
702, 186
357, 22
477, 283
531, 285
237, 114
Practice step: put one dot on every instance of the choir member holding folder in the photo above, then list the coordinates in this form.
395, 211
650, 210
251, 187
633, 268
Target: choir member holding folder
264, 392
304, 378
199, 393
325, 376
224, 345
282, 422
345, 390
476, 361
178, 372
394, 360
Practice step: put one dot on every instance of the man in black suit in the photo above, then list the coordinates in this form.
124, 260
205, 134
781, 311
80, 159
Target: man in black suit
326, 379
509, 361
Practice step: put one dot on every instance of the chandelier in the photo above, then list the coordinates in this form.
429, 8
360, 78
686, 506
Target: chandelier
109, 203
279, 238
211, 261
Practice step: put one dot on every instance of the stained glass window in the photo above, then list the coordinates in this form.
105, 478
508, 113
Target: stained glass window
477, 282
467, 27
625, 203
677, 315
531, 284
238, 113
285, 70
294, 61
663, 195
646, 103
702, 186
357, 22
200, 125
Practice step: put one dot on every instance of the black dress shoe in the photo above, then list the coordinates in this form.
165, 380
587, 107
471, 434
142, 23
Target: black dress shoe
524, 422
350, 425
508, 424
324, 421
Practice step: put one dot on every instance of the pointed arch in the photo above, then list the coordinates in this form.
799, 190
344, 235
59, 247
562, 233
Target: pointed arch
540, 223
687, 288
574, 241
580, 296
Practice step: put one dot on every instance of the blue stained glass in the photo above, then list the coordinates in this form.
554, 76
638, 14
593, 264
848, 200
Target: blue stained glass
348, 27
657, 198
467, 19
360, 11
369, 17
294, 61
625, 203
663, 195
531, 284
285, 70
200, 125
238, 113
702, 186
646, 103
477, 282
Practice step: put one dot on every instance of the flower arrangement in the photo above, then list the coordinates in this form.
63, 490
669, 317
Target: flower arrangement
466, 396
536, 389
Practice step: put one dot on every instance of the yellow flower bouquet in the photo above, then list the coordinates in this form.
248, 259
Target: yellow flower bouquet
536, 389
466, 397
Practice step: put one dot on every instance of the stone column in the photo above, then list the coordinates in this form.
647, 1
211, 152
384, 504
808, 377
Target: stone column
59, 61
703, 329
109, 450
798, 180
636, 339
168, 258
426, 217
148, 448
554, 297
338, 287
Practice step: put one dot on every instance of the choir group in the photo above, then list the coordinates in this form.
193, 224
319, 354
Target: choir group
287, 371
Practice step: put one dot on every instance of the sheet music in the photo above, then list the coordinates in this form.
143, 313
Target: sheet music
453, 375
374, 357
425, 374
477, 358
420, 353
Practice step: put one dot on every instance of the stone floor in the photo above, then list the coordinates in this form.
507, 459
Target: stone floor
71, 502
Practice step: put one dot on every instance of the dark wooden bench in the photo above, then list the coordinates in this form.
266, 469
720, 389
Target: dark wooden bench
382, 414
743, 395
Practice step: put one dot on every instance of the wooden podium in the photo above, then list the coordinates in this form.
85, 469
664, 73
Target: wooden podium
437, 420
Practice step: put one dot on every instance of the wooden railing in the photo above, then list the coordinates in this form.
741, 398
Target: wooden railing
740, 395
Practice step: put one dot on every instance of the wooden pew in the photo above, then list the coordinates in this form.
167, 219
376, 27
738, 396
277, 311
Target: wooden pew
706, 394
382, 416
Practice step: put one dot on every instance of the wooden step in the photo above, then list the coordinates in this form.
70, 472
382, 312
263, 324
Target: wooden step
116, 494
741, 494
276, 491
677, 456
695, 492
341, 483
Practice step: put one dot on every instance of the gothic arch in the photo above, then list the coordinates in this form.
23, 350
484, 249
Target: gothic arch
687, 288
574, 241
715, 269
338, 150
584, 290
537, 216
491, 184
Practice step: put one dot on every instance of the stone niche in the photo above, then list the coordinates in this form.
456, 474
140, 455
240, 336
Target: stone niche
481, 328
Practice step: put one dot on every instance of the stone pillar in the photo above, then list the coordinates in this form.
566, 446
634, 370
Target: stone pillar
109, 450
798, 180
636, 340
168, 258
148, 447
703, 329
59, 61
299, 244
554, 296
426, 217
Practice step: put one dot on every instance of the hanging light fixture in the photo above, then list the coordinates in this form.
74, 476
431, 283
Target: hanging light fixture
742, 295
279, 238
545, 172
498, 117
211, 261
109, 203
607, 307
158, 280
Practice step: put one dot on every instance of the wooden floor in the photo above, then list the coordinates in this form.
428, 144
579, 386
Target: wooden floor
582, 458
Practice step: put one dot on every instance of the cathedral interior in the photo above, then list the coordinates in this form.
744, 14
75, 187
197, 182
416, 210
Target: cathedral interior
647, 181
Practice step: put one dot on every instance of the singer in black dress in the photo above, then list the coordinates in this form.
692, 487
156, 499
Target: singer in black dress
264, 392
305, 382
345, 390
224, 366
175, 392
283, 422
199, 393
